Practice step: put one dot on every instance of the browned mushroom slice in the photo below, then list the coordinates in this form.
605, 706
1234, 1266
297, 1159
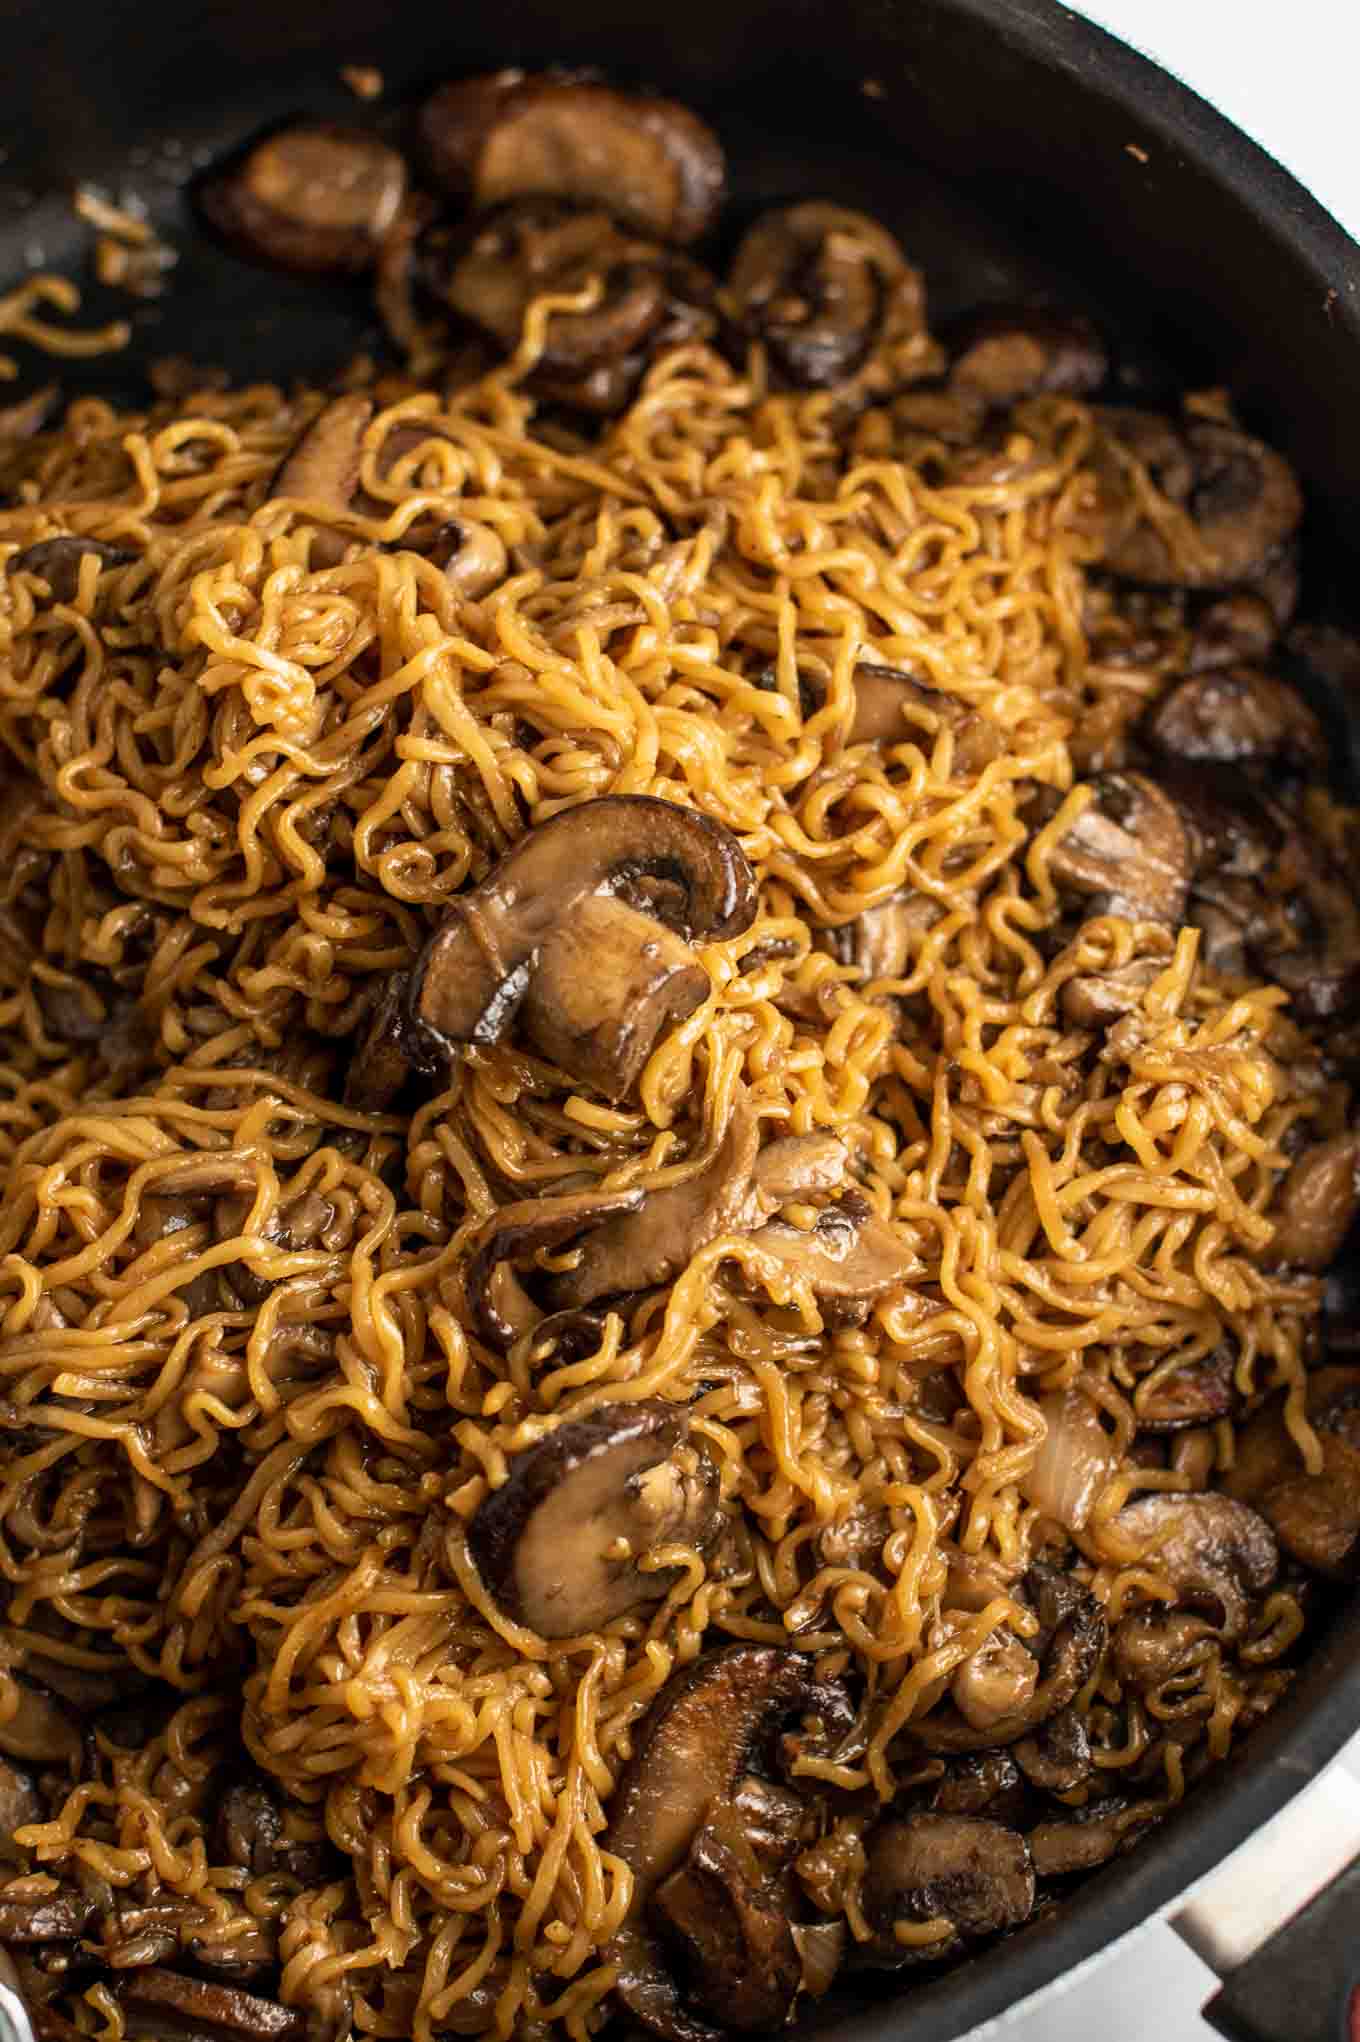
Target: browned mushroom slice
879, 942
1240, 496
1088, 1837
559, 1544
54, 1918
186, 2006
1236, 715
316, 198
731, 1917
684, 871
811, 281
640, 1249
650, 161
42, 1730
1127, 851
995, 1681
1004, 353
322, 469
892, 707
960, 1869
1153, 1645
386, 1053
704, 1733
1315, 1516
300, 1224
1069, 1644
472, 556
609, 983
518, 1234
982, 1783
1303, 927
848, 1258
1096, 998
57, 562
1236, 629
1316, 1204
247, 1826
1198, 1393
1057, 1756
1218, 1554
648, 297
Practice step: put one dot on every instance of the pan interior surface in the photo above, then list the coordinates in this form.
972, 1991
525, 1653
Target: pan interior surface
1014, 150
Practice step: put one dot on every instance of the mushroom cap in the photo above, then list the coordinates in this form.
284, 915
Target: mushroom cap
1217, 1552
558, 1543
1003, 353
1316, 1517
975, 1874
1128, 850
1234, 715
519, 1232
1072, 1637
1240, 496
189, 2005
685, 870
811, 280
316, 198
506, 136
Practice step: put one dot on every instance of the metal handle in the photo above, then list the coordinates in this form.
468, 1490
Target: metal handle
1280, 1923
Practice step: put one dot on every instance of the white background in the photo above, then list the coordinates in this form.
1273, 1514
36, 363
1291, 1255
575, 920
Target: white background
1288, 76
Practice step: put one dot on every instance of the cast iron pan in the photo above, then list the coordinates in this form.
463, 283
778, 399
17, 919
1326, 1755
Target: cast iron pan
1013, 148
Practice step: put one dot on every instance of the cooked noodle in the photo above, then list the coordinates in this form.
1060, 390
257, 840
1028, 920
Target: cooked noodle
246, 787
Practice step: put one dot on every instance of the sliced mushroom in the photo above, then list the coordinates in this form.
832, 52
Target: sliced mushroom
731, 1917
1240, 628
648, 297
317, 198
679, 869
1153, 1645
1316, 1204
560, 1543
386, 1054
57, 562
995, 1681
1057, 1756
298, 1224
1127, 851
983, 1783
892, 707
1197, 1393
56, 1917
508, 136
472, 555
1004, 353
1218, 1554
186, 2006
848, 1258
961, 1869
247, 1826
811, 281
1088, 1837
609, 983
42, 1730
1240, 496
1237, 715
703, 1735
322, 470
640, 1249
1096, 998
1069, 1643
1316, 1517
518, 1234
879, 942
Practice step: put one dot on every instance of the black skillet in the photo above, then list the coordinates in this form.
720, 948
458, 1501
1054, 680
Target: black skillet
1014, 148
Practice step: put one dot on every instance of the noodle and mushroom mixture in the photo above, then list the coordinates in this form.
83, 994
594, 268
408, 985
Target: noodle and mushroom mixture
676, 997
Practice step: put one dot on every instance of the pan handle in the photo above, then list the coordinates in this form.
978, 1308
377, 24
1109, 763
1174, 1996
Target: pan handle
1280, 1923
